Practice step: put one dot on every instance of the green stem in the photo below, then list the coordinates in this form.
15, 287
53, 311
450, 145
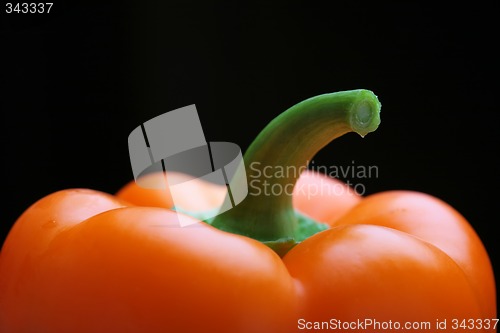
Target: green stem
288, 143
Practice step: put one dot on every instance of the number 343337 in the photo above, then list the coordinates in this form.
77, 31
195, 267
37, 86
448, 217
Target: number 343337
28, 7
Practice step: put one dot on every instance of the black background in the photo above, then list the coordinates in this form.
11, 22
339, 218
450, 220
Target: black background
77, 81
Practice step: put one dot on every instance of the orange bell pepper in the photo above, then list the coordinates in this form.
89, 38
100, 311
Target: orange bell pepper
85, 261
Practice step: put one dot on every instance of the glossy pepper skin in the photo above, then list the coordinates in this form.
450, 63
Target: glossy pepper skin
86, 261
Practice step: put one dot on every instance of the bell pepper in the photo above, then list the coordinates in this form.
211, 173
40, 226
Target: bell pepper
81, 260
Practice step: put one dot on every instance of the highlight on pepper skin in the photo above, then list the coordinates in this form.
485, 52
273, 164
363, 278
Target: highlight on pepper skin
80, 260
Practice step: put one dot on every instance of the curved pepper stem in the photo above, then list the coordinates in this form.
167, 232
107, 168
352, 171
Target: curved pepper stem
288, 143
